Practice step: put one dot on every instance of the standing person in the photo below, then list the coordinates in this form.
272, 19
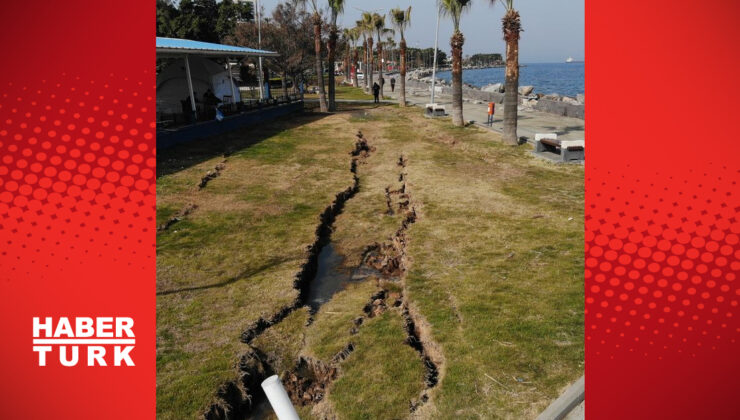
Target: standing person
376, 92
393, 84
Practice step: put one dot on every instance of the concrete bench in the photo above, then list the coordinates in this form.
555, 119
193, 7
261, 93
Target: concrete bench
569, 150
435, 110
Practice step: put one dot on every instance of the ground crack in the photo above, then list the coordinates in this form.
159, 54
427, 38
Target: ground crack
177, 217
189, 208
212, 174
308, 380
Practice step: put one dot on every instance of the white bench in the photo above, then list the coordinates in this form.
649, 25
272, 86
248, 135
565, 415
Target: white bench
435, 110
569, 150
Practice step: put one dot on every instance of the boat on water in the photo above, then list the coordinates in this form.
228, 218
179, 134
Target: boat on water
570, 60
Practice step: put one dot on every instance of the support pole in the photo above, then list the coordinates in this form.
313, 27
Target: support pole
190, 87
231, 80
434, 67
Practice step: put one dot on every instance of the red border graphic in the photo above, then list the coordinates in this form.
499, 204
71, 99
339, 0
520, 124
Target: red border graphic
77, 199
662, 227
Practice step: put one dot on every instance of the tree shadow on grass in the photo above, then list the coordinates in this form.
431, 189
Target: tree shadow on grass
564, 130
185, 155
241, 276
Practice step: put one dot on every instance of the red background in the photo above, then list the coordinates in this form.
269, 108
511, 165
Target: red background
662, 210
77, 199
77, 204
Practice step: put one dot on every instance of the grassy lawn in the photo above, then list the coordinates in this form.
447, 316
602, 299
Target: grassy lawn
495, 265
348, 92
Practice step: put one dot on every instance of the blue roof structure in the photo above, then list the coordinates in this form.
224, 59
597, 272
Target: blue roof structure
176, 46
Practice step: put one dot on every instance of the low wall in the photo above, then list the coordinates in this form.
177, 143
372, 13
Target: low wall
544, 105
560, 108
166, 138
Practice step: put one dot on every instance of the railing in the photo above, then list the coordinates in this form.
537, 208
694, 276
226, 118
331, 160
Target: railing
175, 120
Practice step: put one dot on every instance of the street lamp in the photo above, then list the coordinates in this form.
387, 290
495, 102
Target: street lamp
434, 66
256, 5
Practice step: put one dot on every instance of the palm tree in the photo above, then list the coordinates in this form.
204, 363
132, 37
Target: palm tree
316, 20
380, 30
390, 44
354, 35
368, 26
511, 26
402, 20
360, 26
454, 9
347, 35
336, 7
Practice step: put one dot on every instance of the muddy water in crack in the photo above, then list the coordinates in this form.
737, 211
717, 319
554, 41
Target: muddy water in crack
262, 411
332, 276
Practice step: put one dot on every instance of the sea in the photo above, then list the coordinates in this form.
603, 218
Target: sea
561, 78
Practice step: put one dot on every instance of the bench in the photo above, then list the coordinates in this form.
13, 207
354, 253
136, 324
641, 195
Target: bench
434, 110
568, 150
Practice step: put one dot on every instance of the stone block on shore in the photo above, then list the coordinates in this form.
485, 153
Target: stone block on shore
526, 90
494, 88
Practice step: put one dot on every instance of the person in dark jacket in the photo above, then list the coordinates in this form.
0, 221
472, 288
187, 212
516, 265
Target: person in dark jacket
393, 84
376, 92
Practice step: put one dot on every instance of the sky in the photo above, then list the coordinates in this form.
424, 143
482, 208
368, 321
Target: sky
553, 29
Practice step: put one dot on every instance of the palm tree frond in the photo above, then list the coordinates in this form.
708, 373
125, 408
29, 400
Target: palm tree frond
454, 9
337, 6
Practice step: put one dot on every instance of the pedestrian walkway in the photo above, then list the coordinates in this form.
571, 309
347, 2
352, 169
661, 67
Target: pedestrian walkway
530, 122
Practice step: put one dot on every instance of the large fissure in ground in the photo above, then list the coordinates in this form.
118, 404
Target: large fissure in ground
391, 260
309, 269
238, 399
309, 380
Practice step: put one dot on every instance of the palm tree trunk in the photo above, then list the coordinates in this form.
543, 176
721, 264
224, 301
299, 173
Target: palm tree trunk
356, 79
370, 60
347, 64
511, 95
364, 64
319, 67
402, 96
380, 67
456, 42
332, 52
511, 28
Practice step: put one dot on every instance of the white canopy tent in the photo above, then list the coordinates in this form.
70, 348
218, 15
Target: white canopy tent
193, 73
205, 74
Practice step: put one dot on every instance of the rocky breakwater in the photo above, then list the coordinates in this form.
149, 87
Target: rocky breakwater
565, 106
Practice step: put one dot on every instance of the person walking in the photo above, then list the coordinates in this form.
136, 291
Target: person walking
376, 92
393, 84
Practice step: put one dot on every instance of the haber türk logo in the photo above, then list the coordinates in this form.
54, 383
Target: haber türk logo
101, 341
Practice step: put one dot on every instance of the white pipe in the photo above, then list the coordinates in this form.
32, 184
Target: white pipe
434, 67
190, 87
279, 399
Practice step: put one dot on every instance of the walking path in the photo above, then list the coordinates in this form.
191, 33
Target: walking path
530, 121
